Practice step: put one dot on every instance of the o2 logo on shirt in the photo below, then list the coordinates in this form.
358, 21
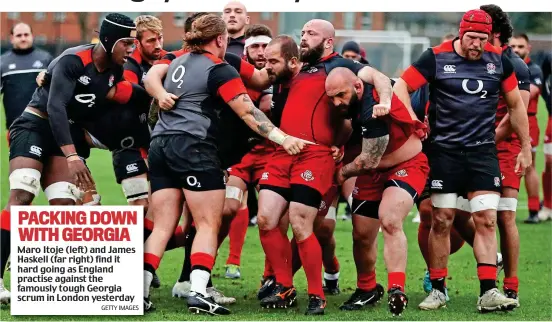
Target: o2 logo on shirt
180, 71
89, 99
478, 90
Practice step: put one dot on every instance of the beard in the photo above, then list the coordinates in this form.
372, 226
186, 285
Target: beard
313, 55
283, 77
470, 53
259, 64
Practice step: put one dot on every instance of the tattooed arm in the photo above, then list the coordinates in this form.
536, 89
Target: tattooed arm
260, 123
369, 158
381, 82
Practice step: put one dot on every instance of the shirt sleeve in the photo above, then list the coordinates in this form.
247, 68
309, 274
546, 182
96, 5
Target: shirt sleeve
536, 75
166, 60
421, 71
509, 79
354, 66
132, 72
523, 74
371, 127
62, 87
243, 67
225, 82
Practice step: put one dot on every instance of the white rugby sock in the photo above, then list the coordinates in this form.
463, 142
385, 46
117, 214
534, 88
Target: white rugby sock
199, 279
148, 277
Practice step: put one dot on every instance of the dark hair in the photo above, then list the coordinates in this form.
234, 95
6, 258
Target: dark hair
258, 30
501, 22
204, 30
288, 47
522, 35
20, 23
190, 20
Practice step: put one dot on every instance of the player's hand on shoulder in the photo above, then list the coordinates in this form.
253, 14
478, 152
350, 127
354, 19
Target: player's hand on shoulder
381, 109
167, 101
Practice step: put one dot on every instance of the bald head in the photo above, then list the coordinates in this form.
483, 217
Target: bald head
236, 18
324, 27
21, 36
317, 40
344, 88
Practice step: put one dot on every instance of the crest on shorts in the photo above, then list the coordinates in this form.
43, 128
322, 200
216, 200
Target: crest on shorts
111, 80
307, 175
497, 182
401, 173
491, 68
264, 176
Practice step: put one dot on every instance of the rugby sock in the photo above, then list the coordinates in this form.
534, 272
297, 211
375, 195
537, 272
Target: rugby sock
187, 265
333, 268
366, 281
511, 283
268, 271
487, 277
396, 280
148, 228
311, 257
533, 203
277, 249
238, 230
437, 277
547, 186
151, 263
4, 240
202, 264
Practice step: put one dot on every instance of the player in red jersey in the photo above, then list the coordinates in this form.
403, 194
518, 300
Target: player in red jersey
521, 46
301, 181
249, 170
392, 172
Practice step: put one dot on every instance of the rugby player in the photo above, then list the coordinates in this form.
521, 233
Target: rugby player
81, 77
183, 155
521, 46
249, 170
231, 149
235, 16
463, 154
301, 181
19, 67
546, 212
392, 171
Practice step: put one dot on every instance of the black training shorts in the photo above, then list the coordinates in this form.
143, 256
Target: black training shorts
184, 161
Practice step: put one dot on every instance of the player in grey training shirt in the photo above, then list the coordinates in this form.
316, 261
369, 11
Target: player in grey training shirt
183, 153
18, 69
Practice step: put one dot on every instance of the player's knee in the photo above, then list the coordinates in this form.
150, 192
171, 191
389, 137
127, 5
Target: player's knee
21, 198
265, 222
61, 202
506, 218
442, 219
425, 213
231, 207
390, 225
